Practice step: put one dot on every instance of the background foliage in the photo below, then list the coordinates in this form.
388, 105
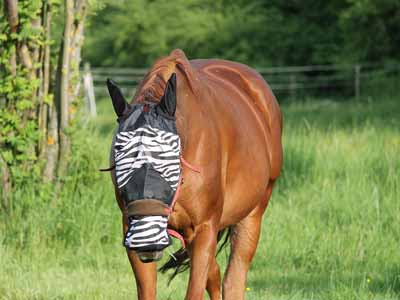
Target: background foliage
39, 92
17, 125
259, 33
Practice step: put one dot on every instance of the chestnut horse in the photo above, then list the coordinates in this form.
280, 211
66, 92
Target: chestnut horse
230, 127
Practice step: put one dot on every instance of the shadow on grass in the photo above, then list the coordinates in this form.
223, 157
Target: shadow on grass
318, 283
390, 281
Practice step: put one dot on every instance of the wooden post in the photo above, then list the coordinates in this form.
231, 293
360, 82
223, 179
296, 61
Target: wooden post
357, 71
292, 85
89, 91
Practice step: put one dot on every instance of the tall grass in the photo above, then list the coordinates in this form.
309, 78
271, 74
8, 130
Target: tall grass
331, 230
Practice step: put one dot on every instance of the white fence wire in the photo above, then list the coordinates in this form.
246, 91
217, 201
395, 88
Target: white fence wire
291, 81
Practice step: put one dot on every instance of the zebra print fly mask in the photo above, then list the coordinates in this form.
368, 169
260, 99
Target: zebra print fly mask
147, 168
146, 153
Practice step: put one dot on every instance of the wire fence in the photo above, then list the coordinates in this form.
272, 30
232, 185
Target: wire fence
294, 82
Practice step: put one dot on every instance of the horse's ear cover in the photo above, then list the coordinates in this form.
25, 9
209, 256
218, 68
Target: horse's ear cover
118, 100
167, 103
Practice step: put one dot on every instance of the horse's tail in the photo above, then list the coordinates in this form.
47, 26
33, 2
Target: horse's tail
180, 260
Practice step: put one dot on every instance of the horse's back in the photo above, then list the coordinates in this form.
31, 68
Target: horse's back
250, 86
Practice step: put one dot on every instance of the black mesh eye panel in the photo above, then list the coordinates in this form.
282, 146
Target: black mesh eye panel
147, 183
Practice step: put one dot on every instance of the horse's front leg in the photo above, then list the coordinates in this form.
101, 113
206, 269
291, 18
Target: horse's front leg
145, 273
202, 251
214, 281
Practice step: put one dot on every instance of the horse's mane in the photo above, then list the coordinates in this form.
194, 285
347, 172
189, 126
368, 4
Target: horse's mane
152, 87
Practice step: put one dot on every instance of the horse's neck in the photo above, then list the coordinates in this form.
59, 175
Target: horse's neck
193, 121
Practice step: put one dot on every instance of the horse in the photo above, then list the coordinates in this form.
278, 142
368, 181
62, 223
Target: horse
228, 126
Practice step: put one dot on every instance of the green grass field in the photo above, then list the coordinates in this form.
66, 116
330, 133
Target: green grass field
331, 230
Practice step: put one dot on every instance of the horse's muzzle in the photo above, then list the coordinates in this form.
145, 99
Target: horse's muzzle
147, 256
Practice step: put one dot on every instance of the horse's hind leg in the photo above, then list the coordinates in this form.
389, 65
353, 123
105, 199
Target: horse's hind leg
244, 240
214, 281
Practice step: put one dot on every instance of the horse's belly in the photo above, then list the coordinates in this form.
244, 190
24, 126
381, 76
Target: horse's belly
245, 191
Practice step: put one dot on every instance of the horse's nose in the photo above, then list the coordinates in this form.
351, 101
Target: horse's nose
147, 257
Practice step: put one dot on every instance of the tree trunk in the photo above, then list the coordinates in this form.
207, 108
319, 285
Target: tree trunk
5, 184
11, 9
43, 102
64, 92
25, 52
76, 46
12, 13
52, 147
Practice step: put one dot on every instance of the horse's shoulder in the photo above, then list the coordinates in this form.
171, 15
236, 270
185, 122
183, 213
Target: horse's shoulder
251, 83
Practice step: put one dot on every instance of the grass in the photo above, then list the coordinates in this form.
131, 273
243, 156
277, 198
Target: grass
331, 230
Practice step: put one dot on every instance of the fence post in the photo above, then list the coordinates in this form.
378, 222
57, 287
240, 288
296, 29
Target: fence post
89, 90
357, 72
292, 85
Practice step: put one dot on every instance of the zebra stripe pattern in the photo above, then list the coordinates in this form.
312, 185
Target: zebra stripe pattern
149, 145
147, 232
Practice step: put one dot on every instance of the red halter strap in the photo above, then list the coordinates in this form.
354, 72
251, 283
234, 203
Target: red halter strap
189, 166
169, 210
177, 235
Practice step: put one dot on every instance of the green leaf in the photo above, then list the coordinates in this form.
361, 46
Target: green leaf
7, 156
24, 104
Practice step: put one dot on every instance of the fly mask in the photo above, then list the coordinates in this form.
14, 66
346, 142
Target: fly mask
146, 149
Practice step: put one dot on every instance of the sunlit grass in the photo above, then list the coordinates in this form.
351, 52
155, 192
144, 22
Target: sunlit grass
331, 230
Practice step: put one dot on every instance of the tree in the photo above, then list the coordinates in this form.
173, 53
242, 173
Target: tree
35, 104
135, 33
255, 32
372, 30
